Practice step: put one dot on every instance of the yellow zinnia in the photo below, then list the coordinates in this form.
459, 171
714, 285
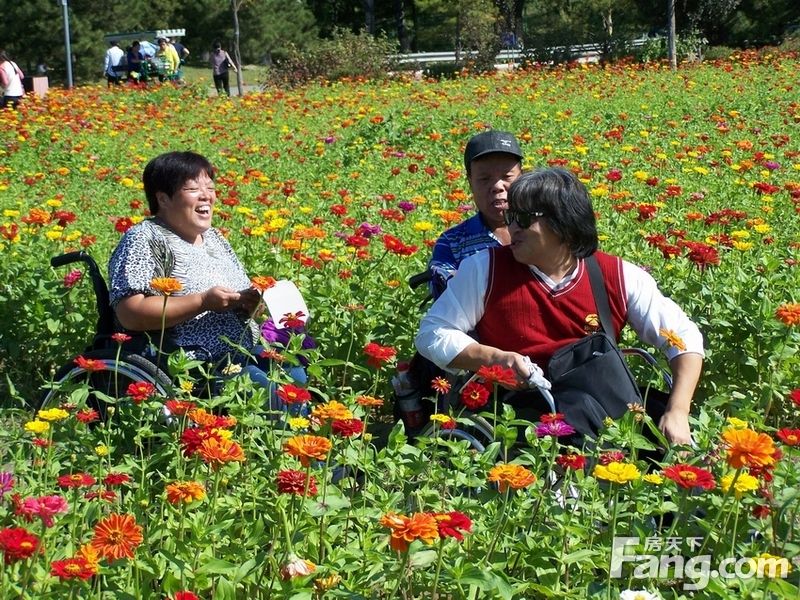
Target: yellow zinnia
744, 483
617, 472
52, 414
37, 426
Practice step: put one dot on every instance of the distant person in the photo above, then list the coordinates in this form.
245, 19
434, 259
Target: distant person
11, 77
41, 68
221, 63
183, 51
114, 59
135, 60
169, 60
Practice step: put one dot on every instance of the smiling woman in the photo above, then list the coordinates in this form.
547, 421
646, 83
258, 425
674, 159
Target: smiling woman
215, 299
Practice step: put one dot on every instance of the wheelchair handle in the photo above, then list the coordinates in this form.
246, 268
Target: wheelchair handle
71, 257
417, 280
105, 322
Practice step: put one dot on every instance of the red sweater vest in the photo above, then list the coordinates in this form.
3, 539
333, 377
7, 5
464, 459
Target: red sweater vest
523, 315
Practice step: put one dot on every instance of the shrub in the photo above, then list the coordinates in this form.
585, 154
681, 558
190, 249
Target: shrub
346, 54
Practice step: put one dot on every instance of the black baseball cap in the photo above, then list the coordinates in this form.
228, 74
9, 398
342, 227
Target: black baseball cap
490, 142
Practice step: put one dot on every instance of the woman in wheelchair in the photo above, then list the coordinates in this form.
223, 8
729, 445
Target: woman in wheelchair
216, 301
531, 298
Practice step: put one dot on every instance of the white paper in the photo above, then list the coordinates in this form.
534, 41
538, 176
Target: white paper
283, 299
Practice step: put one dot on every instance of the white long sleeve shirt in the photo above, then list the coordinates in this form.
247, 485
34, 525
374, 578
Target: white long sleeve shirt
444, 331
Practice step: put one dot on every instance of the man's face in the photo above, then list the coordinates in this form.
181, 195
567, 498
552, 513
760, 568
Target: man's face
490, 177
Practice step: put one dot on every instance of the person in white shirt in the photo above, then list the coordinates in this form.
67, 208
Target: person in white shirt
11, 77
114, 58
528, 299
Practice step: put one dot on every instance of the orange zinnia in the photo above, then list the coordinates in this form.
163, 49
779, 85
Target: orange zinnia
218, 451
513, 476
262, 283
116, 536
789, 314
748, 448
166, 285
369, 401
673, 339
331, 411
307, 447
404, 530
185, 491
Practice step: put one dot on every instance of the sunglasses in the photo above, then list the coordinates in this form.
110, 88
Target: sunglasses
522, 218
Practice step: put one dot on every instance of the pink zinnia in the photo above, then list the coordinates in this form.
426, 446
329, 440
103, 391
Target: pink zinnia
44, 507
554, 428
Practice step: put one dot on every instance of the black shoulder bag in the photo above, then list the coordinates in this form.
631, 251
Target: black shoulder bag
590, 378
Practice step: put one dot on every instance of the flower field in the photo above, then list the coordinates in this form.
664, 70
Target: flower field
343, 188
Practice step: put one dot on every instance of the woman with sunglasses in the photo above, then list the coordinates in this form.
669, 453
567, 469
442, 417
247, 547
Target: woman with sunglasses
528, 299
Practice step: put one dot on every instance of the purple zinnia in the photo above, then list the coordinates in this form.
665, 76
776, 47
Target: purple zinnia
772, 165
367, 230
406, 206
6, 483
554, 428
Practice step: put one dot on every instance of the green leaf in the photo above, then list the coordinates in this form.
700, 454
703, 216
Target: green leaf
423, 558
217, 566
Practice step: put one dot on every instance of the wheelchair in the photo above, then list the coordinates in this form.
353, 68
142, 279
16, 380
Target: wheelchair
108, 368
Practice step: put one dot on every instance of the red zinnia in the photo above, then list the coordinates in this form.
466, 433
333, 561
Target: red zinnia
347, 427
17, 543
293, 320
116, 479
475, 395
179, 407
292, 394
551, 417
571, 461
499, 375
185, 596
76, 480
794, 396
440, 385
87, 415
120, 338
453, 524
790, 437
73, 568
378, 355
690, 477
139, 391
607, 458
90, 364
292, 481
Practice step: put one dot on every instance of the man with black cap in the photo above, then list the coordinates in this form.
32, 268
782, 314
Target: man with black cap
493, 161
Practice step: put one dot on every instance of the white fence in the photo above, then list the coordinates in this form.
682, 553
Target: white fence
579, 52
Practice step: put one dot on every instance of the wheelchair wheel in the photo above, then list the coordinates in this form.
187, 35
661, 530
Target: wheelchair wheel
478, 432
113, 380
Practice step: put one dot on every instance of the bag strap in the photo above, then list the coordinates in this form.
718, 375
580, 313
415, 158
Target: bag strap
600, 294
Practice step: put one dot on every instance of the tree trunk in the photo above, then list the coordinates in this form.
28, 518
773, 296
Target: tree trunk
369, 15
400, 20
237, 57
673, 58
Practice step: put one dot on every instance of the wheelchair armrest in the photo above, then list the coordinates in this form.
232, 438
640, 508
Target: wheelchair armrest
650, 360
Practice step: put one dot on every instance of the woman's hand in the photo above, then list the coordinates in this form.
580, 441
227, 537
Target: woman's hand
674, 424
220, 299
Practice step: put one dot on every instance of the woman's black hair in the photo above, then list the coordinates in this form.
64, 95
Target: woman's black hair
216, 45
566, 205
169, 172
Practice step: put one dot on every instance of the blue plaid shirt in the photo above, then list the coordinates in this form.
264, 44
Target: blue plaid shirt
456, 244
